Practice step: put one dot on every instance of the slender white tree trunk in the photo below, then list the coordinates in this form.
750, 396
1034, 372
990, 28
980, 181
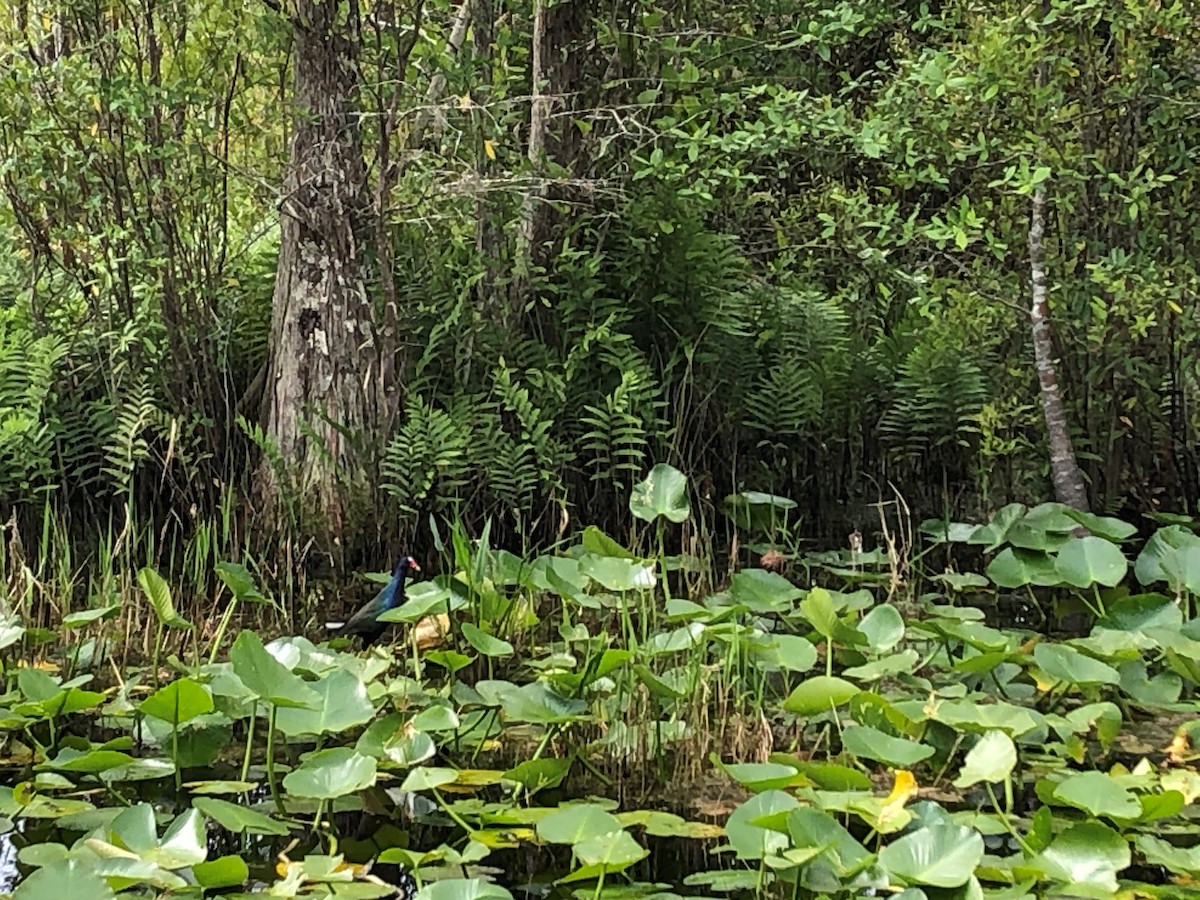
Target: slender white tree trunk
1064, 468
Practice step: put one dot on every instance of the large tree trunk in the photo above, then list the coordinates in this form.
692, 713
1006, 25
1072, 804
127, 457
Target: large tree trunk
1064, 468
322, 380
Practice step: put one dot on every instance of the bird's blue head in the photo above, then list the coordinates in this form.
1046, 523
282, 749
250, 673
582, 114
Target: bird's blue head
405, 566
394, 593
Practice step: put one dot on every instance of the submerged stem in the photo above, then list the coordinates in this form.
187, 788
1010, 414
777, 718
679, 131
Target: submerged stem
271, 760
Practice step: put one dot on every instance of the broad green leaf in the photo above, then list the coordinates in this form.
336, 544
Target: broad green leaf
751, 841
883, 627
616, 574
1091, 560
597, 542
329, 774
1164, 543
1067, 664
239, 581
783, 652
892, 664
267, 677
89, 761
662, 493
158, 592
237, 818
995, 533
1015, 568
179, 701
577, 823
1087, 857
980, 717
535, 774
71, 879
871, 743
611, 852
819, 611
1102, 526
761, 776
1099, 794
763, 591
484, 643
463, 889
1177, 860
939, 855
1142, 612
536, 702
1163, 689
992, 759
424, 778
87, 616
816, 828
820, 694
342, 704
184, 843
36, 685
226, 871
425, 598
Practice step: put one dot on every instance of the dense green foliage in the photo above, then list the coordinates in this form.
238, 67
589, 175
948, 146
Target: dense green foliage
586, 718
782, 247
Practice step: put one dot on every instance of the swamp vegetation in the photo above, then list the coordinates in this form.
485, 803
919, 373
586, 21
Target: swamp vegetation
791, 405
597, 723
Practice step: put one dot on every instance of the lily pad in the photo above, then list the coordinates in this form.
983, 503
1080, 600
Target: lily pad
763, 591
179, 701
820, 694
227, 871
1087, 857
329, 774
484, 643
866, 742
463, 889
992, 759
577, 823
238, 819
939, 855
1067, 664
751, 841
1099, 794
70, 878
883, 627
342, 704
268, 678
663, 493
1091, 560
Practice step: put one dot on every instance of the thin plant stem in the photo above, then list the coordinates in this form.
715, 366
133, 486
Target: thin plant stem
271, 760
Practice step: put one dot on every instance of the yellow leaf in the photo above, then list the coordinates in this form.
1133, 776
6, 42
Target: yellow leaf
95, 129
431, 631
904, 788
96, 103
1175, 307
490, 149
464, 102
1177, 751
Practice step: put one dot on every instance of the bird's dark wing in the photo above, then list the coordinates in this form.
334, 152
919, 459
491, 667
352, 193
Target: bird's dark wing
364, 619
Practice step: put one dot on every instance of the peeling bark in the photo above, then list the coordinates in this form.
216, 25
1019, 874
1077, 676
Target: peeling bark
1064, 468
322, 382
